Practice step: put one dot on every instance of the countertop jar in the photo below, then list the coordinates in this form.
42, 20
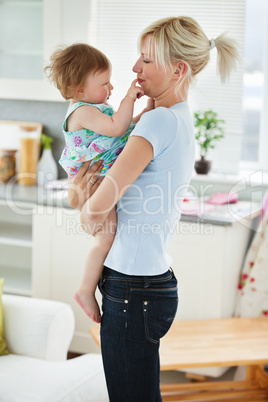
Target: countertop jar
7, 164
28, 156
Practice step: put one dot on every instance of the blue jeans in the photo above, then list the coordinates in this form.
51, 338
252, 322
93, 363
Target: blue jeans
137, 312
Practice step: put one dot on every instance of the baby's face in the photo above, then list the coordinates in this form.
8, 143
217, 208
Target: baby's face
97, 87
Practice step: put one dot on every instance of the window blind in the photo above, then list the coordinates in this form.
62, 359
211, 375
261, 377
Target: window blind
115, 26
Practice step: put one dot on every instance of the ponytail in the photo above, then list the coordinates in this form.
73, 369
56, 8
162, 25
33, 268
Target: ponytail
227, 55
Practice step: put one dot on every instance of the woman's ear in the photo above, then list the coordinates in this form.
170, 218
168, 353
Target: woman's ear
180, 70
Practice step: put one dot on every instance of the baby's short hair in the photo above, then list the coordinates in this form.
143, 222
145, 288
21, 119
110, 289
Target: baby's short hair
70, 65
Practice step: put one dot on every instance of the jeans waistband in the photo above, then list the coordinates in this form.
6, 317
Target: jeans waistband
109, 273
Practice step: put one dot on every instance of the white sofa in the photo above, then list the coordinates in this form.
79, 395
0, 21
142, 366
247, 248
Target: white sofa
38, 333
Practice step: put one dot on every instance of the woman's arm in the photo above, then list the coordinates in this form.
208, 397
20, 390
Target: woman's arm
136, 155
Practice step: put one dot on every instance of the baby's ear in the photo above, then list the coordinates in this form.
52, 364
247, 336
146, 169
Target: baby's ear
79, 91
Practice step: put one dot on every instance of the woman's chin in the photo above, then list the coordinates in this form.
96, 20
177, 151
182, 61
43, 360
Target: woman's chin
147, 92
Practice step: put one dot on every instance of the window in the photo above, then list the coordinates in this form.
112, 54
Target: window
254, 73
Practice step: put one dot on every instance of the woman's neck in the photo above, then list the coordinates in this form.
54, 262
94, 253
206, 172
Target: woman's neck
170, 98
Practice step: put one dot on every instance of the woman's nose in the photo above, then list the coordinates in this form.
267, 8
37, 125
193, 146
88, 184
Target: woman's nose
137, 66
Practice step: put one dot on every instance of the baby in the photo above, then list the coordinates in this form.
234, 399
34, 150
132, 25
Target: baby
92, 131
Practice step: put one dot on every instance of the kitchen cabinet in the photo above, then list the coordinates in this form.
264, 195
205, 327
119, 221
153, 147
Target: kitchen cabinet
59, 251
30, 30
207, 259
16, 243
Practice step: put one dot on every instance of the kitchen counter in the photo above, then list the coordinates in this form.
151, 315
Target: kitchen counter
33, 194
216, 215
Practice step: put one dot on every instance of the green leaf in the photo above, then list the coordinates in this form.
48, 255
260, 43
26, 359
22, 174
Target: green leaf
208, 129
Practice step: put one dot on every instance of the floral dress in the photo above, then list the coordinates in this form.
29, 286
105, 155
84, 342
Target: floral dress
84, 145
253, 285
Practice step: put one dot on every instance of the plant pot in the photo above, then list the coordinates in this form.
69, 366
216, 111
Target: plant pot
202, 166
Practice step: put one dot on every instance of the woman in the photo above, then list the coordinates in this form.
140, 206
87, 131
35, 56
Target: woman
147, 182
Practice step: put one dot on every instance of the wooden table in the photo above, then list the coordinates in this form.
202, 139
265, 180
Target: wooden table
209, 343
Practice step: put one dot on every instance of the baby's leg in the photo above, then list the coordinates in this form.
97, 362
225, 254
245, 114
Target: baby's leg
85, 295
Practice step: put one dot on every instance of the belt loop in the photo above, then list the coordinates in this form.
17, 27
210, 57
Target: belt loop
101, 281
146, 282
173, 273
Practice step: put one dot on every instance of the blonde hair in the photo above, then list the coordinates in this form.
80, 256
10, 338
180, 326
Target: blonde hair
177, 39
69, 67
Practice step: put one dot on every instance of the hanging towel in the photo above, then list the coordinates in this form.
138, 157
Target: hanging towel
252, 298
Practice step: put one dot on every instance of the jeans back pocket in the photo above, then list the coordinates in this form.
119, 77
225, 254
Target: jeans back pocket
158, 315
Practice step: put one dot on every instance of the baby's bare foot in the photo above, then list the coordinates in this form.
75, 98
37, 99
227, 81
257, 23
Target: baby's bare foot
89, 304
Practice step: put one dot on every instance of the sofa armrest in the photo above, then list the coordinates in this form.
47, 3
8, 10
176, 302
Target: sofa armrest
37, 327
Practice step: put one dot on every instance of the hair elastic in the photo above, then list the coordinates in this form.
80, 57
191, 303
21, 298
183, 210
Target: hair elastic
212, 44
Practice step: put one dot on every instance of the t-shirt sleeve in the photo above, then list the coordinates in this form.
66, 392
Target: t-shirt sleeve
157, 127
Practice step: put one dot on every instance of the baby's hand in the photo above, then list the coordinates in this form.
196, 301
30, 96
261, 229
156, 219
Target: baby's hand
150, 104
134, 91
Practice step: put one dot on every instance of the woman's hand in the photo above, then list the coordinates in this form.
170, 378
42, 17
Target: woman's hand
84, 184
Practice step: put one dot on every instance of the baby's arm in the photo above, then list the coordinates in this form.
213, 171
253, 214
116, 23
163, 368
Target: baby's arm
149, 106
112, 126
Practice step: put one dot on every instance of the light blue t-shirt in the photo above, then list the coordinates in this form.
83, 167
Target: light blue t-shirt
148, 213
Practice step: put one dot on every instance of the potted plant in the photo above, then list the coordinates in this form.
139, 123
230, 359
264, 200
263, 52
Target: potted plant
209, 129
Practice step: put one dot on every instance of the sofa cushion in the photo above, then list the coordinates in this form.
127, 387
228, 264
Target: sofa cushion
38, 328
74, 380
3, 349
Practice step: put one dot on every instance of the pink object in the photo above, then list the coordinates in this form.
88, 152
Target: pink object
196, 208
265, 205
223, 198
